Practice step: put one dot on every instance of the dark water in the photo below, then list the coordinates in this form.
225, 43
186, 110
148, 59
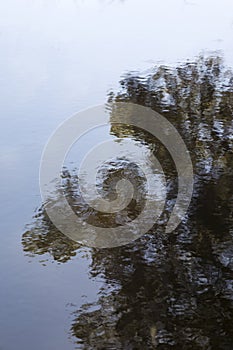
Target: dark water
163, 291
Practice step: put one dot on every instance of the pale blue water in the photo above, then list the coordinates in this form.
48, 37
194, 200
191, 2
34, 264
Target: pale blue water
56, 58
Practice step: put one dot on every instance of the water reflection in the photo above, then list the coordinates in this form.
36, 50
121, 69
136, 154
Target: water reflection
166, 291
43, 237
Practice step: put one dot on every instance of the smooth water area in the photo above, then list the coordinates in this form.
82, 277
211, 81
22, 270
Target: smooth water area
162, 291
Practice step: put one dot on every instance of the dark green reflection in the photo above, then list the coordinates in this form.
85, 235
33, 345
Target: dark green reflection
169, 291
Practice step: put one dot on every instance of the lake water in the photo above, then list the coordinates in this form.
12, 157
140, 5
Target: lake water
162, 291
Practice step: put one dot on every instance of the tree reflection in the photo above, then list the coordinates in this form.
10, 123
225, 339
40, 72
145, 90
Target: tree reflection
43, 237
169, 291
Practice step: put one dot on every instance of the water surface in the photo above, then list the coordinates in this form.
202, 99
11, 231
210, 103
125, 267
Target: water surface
162, 291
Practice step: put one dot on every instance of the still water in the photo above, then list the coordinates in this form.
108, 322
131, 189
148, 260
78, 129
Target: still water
162, 291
